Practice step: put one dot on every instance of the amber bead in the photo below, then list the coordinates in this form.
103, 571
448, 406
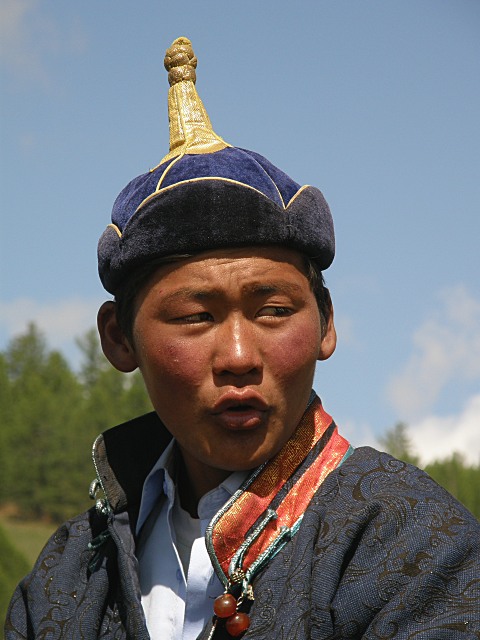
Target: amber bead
225, 605
237, 624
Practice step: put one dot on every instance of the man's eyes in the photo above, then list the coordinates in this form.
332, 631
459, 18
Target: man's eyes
272, 311
195, 318
275, 311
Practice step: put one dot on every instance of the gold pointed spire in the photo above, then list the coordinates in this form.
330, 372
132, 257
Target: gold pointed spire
190, 127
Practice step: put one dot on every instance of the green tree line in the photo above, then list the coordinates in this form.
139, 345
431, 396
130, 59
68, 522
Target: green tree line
459, 478
51, 414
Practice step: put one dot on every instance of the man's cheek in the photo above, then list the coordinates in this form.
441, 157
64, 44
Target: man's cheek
296, 350
180, 363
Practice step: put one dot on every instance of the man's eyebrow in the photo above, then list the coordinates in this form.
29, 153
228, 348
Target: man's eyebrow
190, 293
252, 288
267, 288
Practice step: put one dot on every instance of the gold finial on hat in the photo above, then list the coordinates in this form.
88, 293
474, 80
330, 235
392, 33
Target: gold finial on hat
190, 127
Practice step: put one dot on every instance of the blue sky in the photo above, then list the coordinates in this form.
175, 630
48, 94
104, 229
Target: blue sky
376, 102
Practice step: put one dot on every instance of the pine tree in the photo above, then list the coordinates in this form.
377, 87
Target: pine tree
45, 403
396, 442
50, 418
460, 479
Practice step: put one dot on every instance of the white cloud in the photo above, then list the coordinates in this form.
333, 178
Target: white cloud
358, 434
28, 36
446, 348
61, 322
433, 437
437, 437
17, 35
12, 21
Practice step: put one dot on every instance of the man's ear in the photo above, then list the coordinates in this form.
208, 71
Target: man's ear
115, 344
329, 339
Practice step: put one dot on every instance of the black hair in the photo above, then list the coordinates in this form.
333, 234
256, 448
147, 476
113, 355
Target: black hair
322, 294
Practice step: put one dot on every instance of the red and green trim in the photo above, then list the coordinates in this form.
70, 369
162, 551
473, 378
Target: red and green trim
266, 511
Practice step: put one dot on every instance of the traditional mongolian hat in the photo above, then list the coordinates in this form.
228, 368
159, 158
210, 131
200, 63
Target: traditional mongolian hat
206, 194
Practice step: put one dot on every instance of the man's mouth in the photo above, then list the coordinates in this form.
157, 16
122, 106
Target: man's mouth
239, 410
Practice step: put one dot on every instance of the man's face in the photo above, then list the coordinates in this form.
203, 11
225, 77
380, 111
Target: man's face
227, 344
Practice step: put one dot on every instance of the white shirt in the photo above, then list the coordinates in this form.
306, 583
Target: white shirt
177, 580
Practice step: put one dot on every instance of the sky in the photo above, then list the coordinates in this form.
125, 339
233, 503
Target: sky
375, 102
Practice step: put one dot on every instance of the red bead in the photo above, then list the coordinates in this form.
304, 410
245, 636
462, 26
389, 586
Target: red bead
237, 624
225, 605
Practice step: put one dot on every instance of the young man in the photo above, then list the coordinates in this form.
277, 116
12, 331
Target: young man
236, 508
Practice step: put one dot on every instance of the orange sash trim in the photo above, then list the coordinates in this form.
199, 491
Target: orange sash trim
231, 527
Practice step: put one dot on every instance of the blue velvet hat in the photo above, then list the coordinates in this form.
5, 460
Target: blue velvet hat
206, 194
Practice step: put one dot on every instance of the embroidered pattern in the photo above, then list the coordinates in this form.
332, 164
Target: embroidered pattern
268, 510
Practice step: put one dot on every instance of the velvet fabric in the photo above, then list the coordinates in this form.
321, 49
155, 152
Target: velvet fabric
204, 215
246, 167
231, 198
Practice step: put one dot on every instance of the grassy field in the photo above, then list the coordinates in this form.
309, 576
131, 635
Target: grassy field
28, 537
21, 542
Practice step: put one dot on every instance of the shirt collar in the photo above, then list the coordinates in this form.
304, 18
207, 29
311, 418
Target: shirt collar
214, 500
160, 481
157, 483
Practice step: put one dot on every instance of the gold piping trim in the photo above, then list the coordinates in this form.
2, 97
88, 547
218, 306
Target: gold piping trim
278, 191
175, 160
305, 186
271, 180
172, 186
116, 229
167, 169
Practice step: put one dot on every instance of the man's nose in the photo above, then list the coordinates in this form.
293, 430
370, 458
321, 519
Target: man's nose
237, 351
